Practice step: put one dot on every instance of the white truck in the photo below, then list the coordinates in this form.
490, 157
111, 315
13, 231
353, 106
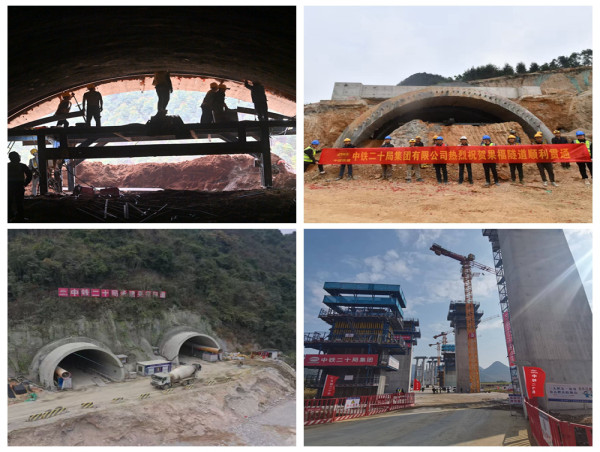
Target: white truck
182, 375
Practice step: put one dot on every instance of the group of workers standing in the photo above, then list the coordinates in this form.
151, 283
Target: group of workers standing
441, 172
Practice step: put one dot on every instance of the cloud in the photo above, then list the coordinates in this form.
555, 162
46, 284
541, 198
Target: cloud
388, 267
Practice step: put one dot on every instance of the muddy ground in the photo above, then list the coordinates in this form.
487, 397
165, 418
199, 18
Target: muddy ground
251, 405
368, 199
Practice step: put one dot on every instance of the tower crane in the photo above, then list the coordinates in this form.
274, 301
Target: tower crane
467, 263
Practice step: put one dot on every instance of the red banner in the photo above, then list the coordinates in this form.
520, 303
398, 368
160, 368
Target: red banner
340, 360
329, 388
509, 340
106, 293
416, 385
63, 292
457, 154
534, 381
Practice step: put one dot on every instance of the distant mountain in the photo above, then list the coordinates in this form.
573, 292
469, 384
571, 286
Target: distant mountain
496, 372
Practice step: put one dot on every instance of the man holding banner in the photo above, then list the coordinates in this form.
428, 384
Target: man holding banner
487, 167
544, 167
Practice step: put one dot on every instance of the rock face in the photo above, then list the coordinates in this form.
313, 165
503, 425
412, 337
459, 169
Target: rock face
210, 173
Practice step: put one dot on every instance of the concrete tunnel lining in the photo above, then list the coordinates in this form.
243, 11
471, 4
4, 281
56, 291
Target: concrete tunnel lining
361, 129
110, 366
171, 347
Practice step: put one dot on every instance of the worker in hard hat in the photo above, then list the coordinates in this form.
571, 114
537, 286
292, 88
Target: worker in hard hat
580, 138
310, 156
544, 167
558, 139
64, 107
19, 177
515, 167
34, 167
441, 172
164, 88
419, 143
413, 167
347, 144
92, 105
259, 99
517, 137
487, 167
220, 109
208, 104
462, 166
386, 170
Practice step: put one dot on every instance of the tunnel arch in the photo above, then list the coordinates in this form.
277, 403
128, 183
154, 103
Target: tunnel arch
95, 354
174, 341
386, 116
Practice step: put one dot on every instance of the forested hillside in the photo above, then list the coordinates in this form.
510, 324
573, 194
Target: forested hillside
242, 281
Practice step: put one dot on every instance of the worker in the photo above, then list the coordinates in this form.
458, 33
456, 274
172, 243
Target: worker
461, 166
517, 137
410, 168
441, 172
259, 98
220, 109
557, 139
207, 104
164, 88
402, 391
487, 167
386, 169
515, 167
544, 167
347, 144
580, 138
309, 155
34, 167
92, 99
19, 177
63, 108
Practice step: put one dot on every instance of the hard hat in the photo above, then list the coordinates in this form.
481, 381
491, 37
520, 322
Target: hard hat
512, 136
463, 138
440, 138
91, 86
223, 86
412, 141
556, 131
315, 142
346, 140
66, 95
388, 137
579, 133
512, 131
34, 151
417, 137
538, 134
486, 137
214, 85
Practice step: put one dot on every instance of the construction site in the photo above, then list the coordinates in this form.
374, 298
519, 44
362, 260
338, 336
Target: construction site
235, 177
559, 99
546, 399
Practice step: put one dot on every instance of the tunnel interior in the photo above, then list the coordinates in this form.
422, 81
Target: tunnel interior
196, 346
86, 364
188, 346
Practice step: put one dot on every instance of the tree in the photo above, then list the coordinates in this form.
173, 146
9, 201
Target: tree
554, 64
574, 60
534, 67
423, 79
586, 57
563, 61
521, 68
544, 67
508, 70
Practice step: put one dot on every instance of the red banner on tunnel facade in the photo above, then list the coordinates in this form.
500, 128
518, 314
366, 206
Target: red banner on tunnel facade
534, 381
110, 293
456, 154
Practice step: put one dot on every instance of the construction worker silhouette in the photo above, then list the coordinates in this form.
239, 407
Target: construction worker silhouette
19, 177
259, 98
208, 104
92, 99
63, 108
164, 88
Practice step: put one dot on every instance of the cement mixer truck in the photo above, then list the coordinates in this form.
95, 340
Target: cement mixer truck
180, 376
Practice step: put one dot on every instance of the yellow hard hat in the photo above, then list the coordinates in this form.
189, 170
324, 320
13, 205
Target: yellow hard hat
538, 134
347, 139
556, 131
417, 137
412, 141
34, 151
512, 136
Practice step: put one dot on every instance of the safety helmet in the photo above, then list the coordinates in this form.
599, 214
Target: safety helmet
512, 136
538, 134
440, 138
417, 137
556, 131
214, 85
66, 95
388, 138
314, 142
512, 131
223, 86
91, 86
579, 133
463, 137
412, 141
347, 140
34, 151
486, 137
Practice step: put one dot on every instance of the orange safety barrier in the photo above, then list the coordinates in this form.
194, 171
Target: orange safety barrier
323, 411
549, 431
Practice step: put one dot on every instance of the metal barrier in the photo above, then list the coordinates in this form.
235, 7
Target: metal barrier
549, 431
322, 411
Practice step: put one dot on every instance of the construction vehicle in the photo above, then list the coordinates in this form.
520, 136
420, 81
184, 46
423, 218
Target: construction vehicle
467, 263
180, 376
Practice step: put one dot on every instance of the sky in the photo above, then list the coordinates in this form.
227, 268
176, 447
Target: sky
428, 281
383, 45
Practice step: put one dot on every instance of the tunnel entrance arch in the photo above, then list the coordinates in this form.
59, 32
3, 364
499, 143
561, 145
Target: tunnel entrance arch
83, 358
187, 343
436, 103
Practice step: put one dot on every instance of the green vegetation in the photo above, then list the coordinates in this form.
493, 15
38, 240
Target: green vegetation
424, 79
242, 281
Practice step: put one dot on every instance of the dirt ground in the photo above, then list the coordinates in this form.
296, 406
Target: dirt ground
230, 405
368, 199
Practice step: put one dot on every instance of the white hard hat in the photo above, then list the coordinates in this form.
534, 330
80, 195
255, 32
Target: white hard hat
463, 137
